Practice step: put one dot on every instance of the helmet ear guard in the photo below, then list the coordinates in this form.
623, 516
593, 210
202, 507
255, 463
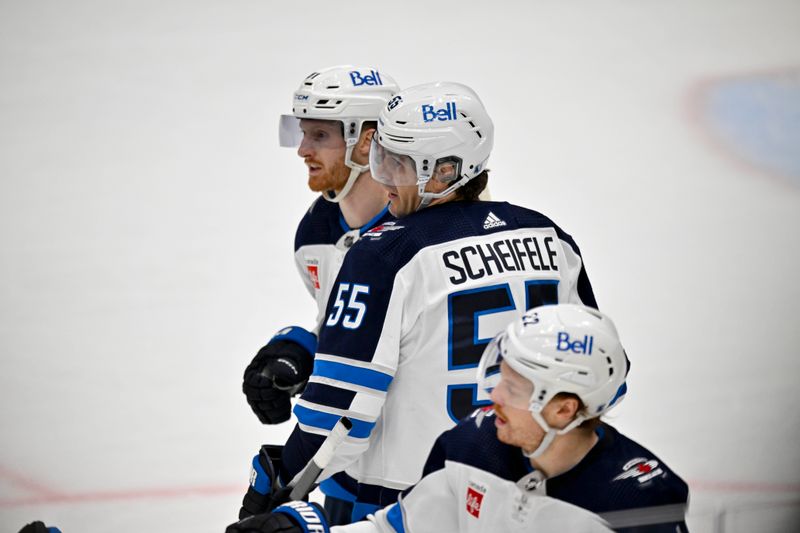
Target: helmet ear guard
447, 170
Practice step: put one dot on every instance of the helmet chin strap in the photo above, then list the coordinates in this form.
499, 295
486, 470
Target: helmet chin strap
549, 433
355, 171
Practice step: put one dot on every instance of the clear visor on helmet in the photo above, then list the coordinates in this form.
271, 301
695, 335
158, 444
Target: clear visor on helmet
317, 134
390, 168
289, 133
497, 377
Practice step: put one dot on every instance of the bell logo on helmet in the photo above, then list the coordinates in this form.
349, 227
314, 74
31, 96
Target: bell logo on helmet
578, 346
358, 79
429, 113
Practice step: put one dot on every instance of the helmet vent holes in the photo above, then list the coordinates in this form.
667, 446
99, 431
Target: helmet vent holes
325, 104
402, 122
332, 87
474, 127
542, 394
398, 138
611, 371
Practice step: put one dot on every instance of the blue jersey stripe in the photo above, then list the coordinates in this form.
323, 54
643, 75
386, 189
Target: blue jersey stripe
361, 510
319, 419
395, 518
331, 488
372, 379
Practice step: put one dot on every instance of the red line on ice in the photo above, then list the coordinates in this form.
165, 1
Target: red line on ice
133, 494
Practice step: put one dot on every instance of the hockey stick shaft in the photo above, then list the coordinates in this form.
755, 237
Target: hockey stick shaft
321, 459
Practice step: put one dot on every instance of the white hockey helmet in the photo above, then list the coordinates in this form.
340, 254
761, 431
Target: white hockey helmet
440, 128
560, 348
348, 94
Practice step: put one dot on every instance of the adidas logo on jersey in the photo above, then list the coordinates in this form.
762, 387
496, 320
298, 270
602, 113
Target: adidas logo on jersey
492, 221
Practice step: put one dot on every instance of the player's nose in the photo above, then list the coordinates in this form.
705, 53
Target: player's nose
305, 148
496, 397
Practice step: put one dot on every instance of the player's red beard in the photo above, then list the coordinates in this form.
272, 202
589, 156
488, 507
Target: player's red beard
498, 411
327, 178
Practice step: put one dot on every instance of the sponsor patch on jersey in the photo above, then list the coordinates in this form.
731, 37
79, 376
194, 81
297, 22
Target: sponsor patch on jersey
378, 231
312, 267
475, 493
641, 469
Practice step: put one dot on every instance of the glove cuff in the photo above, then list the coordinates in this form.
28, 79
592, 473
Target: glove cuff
260, 479
298, 335
309, 516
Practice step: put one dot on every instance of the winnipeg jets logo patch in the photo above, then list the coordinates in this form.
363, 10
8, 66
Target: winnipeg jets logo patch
475, 493
492, 221
378, 231
640, 468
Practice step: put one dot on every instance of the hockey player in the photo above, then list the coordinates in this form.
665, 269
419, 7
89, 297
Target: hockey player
417, 300
333, 120
551, 374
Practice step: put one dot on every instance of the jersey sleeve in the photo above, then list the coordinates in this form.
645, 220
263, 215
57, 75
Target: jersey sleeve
301, 271
428, 506
355, 362
580, 290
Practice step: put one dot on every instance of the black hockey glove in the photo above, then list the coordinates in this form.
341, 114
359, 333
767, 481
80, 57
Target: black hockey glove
39, 527
264, 492
294, 517
279, 371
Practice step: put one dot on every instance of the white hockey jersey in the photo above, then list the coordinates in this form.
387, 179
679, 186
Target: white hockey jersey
411, 310
320, 244
473, 482
464, 499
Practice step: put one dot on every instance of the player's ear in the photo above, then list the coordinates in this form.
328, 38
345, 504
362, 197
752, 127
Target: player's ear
364, 141
566, 410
